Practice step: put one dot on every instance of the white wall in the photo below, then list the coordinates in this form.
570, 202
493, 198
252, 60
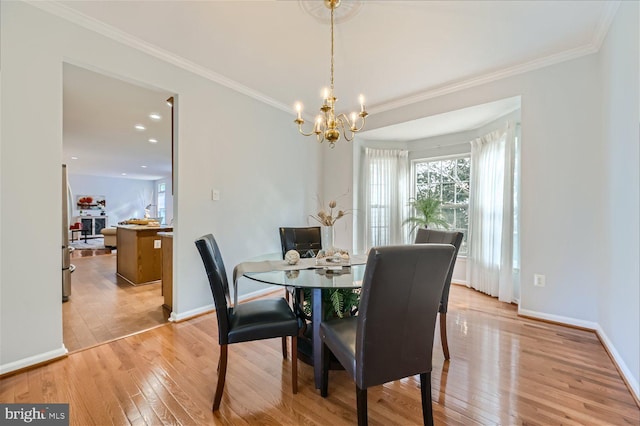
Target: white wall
250, 162
565, 218
560, 117
125, 198
619, 292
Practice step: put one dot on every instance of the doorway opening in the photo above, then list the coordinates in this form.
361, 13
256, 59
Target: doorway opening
118, 147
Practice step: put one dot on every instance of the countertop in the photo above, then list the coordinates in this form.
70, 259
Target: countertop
146, 227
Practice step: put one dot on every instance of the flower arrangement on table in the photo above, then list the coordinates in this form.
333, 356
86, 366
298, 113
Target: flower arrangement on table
328, 219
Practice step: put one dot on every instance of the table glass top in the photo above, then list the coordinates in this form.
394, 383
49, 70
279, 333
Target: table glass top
347, 277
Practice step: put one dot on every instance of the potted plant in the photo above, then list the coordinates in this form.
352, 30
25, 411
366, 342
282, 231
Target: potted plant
428, 211
338, 303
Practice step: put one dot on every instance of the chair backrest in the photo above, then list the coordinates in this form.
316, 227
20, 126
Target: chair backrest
442, 237
217, 275
303, 240
397, 312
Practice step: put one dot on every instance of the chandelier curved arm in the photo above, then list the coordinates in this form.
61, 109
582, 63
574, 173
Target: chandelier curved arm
345, 125
300, 122
351, 125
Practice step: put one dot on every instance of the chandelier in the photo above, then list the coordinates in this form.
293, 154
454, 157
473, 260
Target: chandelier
329, 126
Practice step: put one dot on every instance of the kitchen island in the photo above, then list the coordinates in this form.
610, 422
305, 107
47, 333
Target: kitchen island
139, 253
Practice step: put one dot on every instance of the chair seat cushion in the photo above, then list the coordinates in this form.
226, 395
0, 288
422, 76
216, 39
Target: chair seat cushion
261, 319
340, 336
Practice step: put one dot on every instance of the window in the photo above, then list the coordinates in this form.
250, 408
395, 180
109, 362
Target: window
162, 211
447, 179
378, 208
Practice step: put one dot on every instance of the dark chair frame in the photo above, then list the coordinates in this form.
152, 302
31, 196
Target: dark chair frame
305, 240
302, 240
253, 320
392, 337
428, 236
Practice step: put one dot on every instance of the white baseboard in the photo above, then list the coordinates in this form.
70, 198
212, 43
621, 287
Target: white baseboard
191, 313
33, 360
460, 282
622, 366
590, 325
174, 317
632, 382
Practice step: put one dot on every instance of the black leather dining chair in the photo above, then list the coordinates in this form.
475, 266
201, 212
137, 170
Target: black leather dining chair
306, 241
442, 237
248, 321
392, 336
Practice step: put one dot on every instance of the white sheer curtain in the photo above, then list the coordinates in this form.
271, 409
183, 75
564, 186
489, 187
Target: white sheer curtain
490, 259
383, 197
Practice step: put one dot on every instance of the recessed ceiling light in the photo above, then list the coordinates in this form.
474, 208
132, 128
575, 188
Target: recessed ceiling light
74, 158
155, 116
123, 174
152, 140
139, 127
144, 167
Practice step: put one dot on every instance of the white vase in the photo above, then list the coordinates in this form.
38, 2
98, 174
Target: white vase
326, 237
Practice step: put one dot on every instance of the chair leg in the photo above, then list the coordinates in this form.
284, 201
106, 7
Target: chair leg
443, 334
222, 373
294, 364
361, 397
425, 391
284, 348
324, 381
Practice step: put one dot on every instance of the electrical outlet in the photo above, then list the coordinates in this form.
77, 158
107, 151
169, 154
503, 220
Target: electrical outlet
215, 194
539, 280
157, 244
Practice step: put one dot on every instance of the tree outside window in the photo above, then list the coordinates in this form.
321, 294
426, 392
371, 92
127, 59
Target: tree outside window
447, 180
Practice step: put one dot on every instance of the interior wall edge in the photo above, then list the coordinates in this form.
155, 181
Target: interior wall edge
622, 367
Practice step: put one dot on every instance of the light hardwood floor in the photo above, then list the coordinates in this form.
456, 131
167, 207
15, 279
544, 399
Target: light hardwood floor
503, 370
102, 308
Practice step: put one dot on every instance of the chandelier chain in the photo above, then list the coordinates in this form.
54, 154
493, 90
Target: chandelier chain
332, 10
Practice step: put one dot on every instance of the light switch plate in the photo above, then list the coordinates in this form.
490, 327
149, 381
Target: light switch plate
157, 244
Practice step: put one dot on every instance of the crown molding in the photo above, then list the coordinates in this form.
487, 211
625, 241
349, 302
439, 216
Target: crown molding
120, 36
486, 78
92, 24
610, 10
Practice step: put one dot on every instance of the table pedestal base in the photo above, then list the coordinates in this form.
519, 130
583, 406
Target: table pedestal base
305, 351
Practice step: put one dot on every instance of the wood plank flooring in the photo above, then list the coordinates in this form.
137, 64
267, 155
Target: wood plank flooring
102, 308
504, 370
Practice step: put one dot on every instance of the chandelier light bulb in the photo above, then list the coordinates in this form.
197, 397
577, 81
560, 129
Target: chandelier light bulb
299, 110
318, 126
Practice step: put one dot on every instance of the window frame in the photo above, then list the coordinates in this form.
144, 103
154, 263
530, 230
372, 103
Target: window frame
413, 190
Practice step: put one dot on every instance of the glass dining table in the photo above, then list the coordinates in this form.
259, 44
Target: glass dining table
316, 279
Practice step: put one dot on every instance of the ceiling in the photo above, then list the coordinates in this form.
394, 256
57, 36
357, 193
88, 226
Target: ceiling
393, 52
99, 135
